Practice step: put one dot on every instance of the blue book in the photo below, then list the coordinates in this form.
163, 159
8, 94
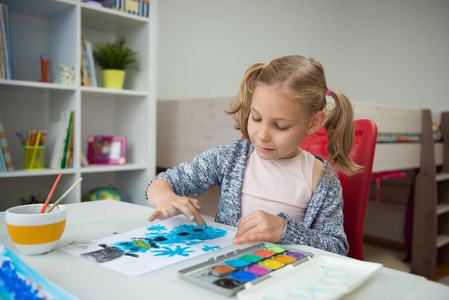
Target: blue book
91, 63
9, 43
4, 46
6, 39
2, 162
5, 148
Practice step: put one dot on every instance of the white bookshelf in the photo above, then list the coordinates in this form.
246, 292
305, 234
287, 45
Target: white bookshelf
55, 27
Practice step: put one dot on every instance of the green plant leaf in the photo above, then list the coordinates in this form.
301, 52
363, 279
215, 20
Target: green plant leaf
115, 55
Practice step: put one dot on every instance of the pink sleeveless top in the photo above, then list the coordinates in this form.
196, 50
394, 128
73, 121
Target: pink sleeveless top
280, 185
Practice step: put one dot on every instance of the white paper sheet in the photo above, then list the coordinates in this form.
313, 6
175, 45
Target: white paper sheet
149, 248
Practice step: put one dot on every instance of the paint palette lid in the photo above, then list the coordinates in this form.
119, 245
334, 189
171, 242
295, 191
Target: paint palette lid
323, 277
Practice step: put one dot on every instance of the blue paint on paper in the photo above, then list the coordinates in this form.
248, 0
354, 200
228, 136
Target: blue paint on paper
193, 242
172, 252
187, 233
207, 248
131, 247
157, 228
155, 238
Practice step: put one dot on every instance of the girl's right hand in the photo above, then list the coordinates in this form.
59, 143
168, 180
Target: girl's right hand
168, 204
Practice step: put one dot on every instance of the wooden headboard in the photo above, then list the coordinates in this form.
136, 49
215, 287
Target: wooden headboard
186, 128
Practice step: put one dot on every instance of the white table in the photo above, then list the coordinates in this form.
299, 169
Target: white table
89, 280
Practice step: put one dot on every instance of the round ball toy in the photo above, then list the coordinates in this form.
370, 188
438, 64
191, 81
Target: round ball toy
102, 193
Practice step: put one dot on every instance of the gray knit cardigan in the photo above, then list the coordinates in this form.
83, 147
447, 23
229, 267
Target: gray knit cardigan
224, 166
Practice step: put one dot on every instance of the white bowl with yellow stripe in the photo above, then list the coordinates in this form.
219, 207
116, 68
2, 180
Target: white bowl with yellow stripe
33, 232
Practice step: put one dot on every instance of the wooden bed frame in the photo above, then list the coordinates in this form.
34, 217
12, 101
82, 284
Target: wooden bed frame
189, 127
430, 187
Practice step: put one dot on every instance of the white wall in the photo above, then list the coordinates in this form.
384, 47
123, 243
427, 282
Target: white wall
383, 51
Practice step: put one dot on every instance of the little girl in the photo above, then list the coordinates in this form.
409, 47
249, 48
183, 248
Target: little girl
271, 189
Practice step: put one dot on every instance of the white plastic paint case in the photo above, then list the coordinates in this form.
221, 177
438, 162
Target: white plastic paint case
203, 275
323, 277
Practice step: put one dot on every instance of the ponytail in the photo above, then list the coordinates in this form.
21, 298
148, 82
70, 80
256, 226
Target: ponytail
339, 128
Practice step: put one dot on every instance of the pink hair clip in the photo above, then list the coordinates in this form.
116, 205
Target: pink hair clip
329, 91
265, 65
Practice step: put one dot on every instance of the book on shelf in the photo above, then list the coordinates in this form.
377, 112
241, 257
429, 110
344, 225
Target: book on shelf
88, 76
137, 7
60, 141
6, 155
114, 4
91, 63
4, 47
134, 7
67, 154
2, 53
2, 163
6, 69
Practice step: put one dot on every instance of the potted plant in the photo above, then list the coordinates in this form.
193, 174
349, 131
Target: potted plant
114, 58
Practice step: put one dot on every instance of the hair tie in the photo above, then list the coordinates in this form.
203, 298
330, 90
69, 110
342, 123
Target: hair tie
329, 91
265, 65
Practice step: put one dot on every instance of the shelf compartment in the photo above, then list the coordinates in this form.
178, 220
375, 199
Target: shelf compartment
33, 107
106, 19
103, 25
39, 8
50, 27
116, 112
130, 183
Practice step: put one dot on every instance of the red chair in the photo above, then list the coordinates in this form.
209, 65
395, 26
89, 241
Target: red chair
356, 187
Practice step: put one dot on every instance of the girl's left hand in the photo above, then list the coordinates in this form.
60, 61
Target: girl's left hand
260, 226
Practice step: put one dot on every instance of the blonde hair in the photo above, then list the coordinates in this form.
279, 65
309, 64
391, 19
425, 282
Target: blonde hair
304, 80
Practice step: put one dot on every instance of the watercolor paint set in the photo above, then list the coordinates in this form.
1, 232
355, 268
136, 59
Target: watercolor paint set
228, 273
268, 271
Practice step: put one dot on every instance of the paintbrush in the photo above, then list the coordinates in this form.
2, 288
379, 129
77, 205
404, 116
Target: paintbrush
50, 194
64, 195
